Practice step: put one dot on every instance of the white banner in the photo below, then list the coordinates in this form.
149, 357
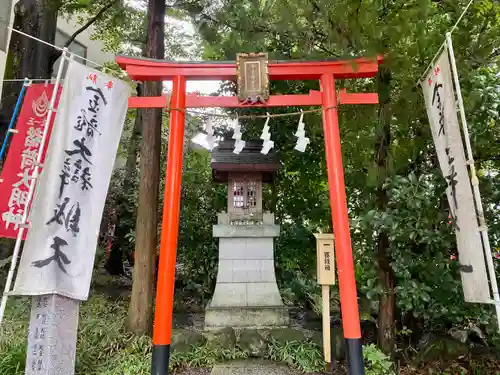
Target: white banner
58, 254
442, 111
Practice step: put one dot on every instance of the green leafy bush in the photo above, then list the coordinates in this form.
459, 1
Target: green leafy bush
304, 356
377, 362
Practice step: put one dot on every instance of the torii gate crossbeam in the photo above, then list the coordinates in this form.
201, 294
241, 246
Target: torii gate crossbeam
326, 72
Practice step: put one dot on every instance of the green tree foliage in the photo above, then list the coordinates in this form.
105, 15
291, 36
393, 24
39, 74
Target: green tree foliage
400, 195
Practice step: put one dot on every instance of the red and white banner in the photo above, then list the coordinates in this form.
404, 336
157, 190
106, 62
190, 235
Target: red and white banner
22, 155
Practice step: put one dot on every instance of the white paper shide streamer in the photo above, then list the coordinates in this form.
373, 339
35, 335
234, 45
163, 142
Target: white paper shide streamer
302, 140
266, 137
59, 252
210, 134
239, 145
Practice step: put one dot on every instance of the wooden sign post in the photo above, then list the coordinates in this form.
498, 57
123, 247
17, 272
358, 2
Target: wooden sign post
325, 258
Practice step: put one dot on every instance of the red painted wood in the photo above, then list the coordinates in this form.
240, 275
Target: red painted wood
162, 330
196, 101
340, 216
150, 70
148, 101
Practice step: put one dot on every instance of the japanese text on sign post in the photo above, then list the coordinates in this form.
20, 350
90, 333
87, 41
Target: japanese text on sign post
325, 258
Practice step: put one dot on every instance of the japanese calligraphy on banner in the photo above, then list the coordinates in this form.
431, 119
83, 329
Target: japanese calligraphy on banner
59, 252
442, 111
22, 156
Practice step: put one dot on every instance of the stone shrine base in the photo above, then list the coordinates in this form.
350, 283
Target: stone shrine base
246, 317
246, 294
252, 367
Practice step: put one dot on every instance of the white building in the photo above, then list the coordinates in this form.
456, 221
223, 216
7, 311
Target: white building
82, 46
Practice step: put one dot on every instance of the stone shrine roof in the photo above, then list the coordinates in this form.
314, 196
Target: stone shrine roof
249, 159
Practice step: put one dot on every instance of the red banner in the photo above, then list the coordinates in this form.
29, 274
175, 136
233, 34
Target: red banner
22, 155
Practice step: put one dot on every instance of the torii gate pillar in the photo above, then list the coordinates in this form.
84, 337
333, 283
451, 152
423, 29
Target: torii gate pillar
324, 71
340, 220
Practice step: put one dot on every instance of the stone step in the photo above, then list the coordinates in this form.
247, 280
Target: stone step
252, 367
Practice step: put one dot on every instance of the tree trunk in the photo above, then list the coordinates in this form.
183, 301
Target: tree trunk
386, 319
140, 316
133, 147
27, 57
114, 264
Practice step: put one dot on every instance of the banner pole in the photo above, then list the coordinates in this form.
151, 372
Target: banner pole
34, 176
474, 181
14, 115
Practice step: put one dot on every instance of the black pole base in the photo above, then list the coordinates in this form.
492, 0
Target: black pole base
161, 359
354, 352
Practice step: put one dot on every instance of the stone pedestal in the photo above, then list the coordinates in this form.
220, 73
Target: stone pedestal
246, 293
52, 336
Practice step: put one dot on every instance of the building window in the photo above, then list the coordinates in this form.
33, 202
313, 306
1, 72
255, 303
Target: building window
75, 47
5, 11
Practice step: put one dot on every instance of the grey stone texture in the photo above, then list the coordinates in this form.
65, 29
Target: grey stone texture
222, 339
246, 317
246, 293
184, 340
252, 342
52, 336
282, 336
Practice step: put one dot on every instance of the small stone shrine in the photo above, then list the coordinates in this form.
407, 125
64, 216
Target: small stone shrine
246, 293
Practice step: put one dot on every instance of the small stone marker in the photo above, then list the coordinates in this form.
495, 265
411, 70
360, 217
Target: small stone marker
52, 335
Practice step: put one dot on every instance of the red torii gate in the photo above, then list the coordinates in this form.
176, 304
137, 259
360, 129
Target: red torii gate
326, 72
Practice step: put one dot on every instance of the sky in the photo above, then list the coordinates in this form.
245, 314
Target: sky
202, 87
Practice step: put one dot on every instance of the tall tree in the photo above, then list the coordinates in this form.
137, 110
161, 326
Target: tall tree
28, 57
177, 44
141, 305
33, 59
387, 277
